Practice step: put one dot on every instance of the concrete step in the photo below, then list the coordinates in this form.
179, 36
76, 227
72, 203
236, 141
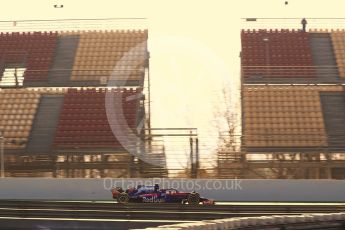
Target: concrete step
333, 107
46, 120
64, 59
323, 55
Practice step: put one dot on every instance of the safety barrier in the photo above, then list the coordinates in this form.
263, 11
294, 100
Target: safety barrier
218, 189
327, 220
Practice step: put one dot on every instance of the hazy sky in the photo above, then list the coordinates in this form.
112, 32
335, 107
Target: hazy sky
194, 46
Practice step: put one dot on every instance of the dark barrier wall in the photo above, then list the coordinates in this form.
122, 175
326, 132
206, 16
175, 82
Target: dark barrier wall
220, 190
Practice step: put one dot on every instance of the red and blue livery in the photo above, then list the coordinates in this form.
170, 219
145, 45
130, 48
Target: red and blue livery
153, 194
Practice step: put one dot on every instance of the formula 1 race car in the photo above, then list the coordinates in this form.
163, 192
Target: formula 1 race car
153, 194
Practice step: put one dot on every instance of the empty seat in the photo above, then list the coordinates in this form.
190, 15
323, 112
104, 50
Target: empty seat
84, 123
17, 111
34, 51
284, 116
111, 55
281, 54
338, 41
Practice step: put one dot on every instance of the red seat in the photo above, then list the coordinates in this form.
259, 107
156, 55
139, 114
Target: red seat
84, 122
34, 49
284, 48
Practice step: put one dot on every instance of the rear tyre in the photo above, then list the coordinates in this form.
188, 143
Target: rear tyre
193, 198
123, 198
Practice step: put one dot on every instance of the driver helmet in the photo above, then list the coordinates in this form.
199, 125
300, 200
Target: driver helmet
131, 189
156, 187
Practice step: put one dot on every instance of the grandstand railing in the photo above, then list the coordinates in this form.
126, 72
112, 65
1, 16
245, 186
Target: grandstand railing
73, 24
314, 23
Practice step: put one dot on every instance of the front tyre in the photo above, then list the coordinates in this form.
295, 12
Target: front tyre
193, 198
123, 198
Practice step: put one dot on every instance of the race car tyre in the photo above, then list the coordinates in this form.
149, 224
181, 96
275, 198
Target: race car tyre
193, 198
123, 198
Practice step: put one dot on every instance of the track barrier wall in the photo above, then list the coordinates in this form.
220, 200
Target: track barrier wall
221, 190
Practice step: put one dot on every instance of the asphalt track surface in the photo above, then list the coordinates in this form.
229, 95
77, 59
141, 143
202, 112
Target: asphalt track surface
58, 215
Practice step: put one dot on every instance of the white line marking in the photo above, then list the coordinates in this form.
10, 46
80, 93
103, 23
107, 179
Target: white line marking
100, 220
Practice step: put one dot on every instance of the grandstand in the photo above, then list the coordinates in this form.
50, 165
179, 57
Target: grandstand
55, 121
32, 50
85, 58
286, 114
290, 117
293, 105
292, 56
276, 54
83, 119
53, 112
